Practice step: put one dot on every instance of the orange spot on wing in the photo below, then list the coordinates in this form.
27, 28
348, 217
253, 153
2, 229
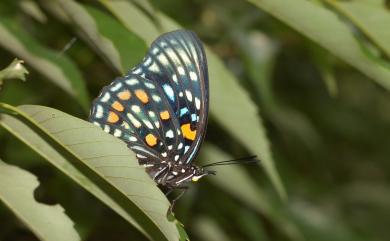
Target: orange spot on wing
187, 132
112, 117
117, 106
164, 115
142, 96
151, 140
124, 95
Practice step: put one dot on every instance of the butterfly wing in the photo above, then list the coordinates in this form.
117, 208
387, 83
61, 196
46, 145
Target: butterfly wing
135, 110
160, 108
176, 61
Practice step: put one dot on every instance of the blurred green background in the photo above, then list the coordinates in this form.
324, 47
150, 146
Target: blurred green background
326, 121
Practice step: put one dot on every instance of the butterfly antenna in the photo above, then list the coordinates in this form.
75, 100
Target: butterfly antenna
242, 160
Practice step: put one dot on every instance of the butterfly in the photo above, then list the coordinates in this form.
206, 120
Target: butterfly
160, 109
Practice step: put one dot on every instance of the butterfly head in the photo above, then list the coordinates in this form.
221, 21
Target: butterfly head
199, 172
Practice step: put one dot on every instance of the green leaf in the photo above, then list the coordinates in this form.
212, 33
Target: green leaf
130, 17
131, 48
47, 222
31, 138
229, 102
327, 30
370, 16
15, 70
32, 9
56, 68
207, 229
84, 152
237, 183
105, 35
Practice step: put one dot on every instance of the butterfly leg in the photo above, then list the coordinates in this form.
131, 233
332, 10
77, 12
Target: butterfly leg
183, 190
169, 191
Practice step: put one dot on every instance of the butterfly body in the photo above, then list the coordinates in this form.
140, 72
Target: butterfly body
160, 108
173, 175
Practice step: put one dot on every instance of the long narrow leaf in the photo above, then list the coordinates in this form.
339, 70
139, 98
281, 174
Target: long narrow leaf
102, 158
370, 16
47, 222
103, 33
326, 29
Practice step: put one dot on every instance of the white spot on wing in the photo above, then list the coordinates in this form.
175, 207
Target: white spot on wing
132, 81
186, 149
164, 154
156, 98
180, 146
151, 114
170, 147
154, 68
189, 95
105, 97
135, 108
155, 50
169, 91
133, 120
117, 133
163, 59
116, 87
193, 117
181, 70
125, 125
99, 111
177, 157
193, 76
106, 128
150, 85
137, 71
148, 61
169, 134
133, 139
148, 124
174, 78
181, 93
197, 103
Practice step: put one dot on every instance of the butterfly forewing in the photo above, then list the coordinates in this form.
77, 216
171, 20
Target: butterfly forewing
160, 108
176, 62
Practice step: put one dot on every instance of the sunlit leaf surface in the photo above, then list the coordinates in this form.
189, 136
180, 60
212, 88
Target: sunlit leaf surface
101, 157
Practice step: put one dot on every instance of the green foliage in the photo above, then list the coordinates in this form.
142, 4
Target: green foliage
21, 201
316, 71
15, 70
